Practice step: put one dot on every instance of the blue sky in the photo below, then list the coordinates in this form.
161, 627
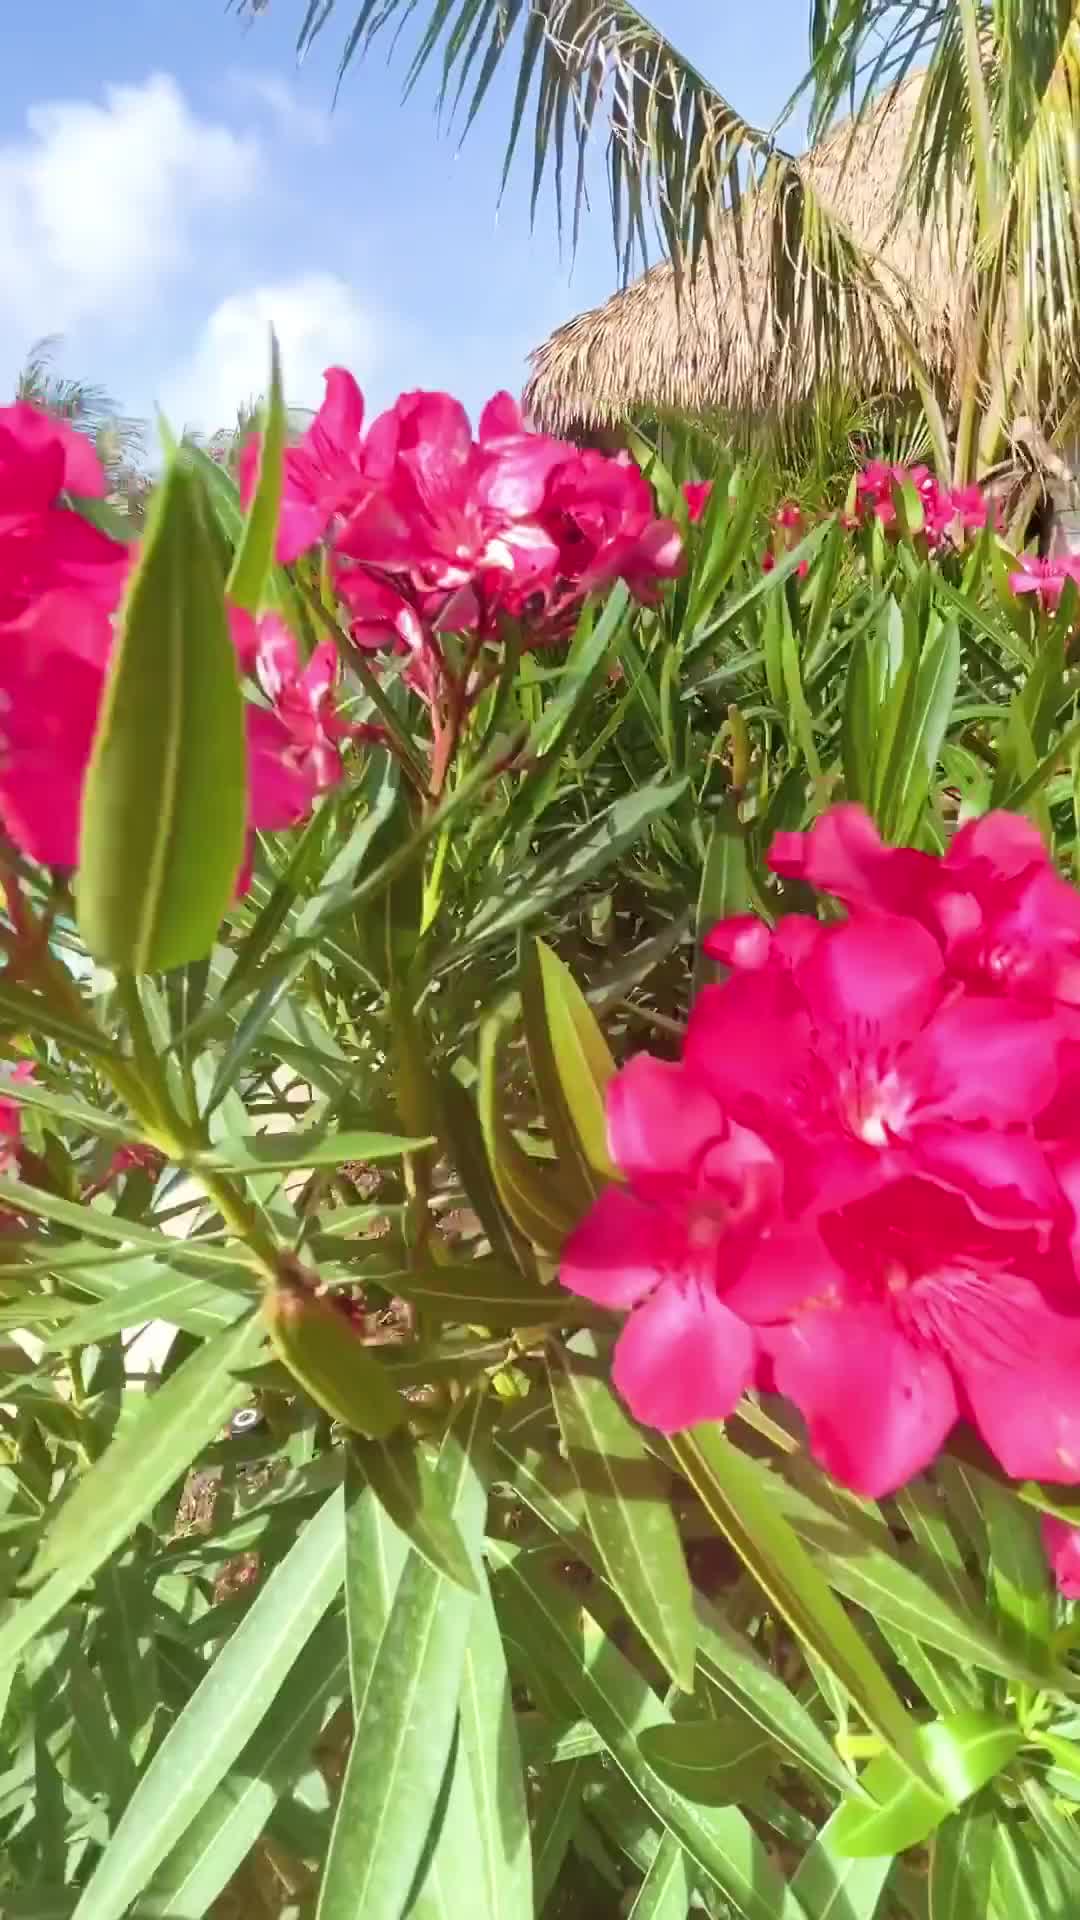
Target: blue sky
170, 182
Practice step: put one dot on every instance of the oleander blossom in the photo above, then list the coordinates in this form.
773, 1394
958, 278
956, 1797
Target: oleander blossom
893, 1103
1061, 1544
61, 581
433, 532
947, 512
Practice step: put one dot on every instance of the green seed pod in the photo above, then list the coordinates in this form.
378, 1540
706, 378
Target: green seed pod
329, 1361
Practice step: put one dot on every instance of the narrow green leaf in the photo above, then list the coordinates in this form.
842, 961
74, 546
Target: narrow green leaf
491, 1293
482, 1862
627, 1506
834, 1887
665, 1892
767, 1545
401, 1479
733, 1666
221, 1716
566, 1646
164, 803
306, 1147
405, 1719
715, 1762
1020, 1573
254, 556
149, 1455
961, 1857
571, 1060
961, 1752
555, 1816
858, 1559
222, 1834
724, 886
526, 1189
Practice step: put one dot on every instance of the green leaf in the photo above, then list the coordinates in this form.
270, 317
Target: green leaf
305, 1147
152, 1451
834, 1887
165, 798
254, 556
730, 1491
405, 1718
665, 1892
328, 1358
221, 1716
155, 1294
482, 1861
406, 1486
859, 1560
714, 1762
961, 1857
922, 731
571, 1061
733, 1666
961, 1753
564, 1645
725, 885
527, 1189
221, 1836
490, 1293
626, 1498
555, 1816
1020, 1574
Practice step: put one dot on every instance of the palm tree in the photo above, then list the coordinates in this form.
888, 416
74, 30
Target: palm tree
994, 157
91, 410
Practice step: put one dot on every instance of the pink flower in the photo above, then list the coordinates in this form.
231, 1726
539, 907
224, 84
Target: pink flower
384, 618
907, 1313
971, 505
700, 1191
294, 746
696, 493
1004, 918
1045, 578
323, 475
600, 513
11, 1111
43, 544
444, 511
789, 516
848, 1050
52, 661
1062, 1545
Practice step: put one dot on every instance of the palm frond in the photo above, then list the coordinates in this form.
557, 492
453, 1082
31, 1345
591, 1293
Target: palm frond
679, 157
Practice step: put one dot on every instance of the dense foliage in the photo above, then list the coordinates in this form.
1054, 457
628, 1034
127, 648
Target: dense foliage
399, 849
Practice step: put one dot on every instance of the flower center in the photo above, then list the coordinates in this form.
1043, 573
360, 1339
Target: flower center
875, 1102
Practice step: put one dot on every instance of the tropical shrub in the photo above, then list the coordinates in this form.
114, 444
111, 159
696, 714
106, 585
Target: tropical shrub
572, 1030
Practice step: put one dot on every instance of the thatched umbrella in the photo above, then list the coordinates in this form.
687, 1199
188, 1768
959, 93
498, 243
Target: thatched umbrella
714, 344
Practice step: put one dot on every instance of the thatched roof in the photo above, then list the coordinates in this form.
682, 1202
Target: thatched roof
718, 347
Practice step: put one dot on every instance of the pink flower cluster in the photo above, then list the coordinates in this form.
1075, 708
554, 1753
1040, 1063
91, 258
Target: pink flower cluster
433, 532
946, 510
1045, 578
61, 581
860, 1186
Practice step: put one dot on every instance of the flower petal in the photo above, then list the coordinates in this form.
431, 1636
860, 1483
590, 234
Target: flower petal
983, 1058
876, 973
877, 1407
682, 1358
1029, 1415
620, 1251
660, 1119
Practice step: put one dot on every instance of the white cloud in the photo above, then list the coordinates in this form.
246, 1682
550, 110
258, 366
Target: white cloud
279, 100
98, 203
320, 321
